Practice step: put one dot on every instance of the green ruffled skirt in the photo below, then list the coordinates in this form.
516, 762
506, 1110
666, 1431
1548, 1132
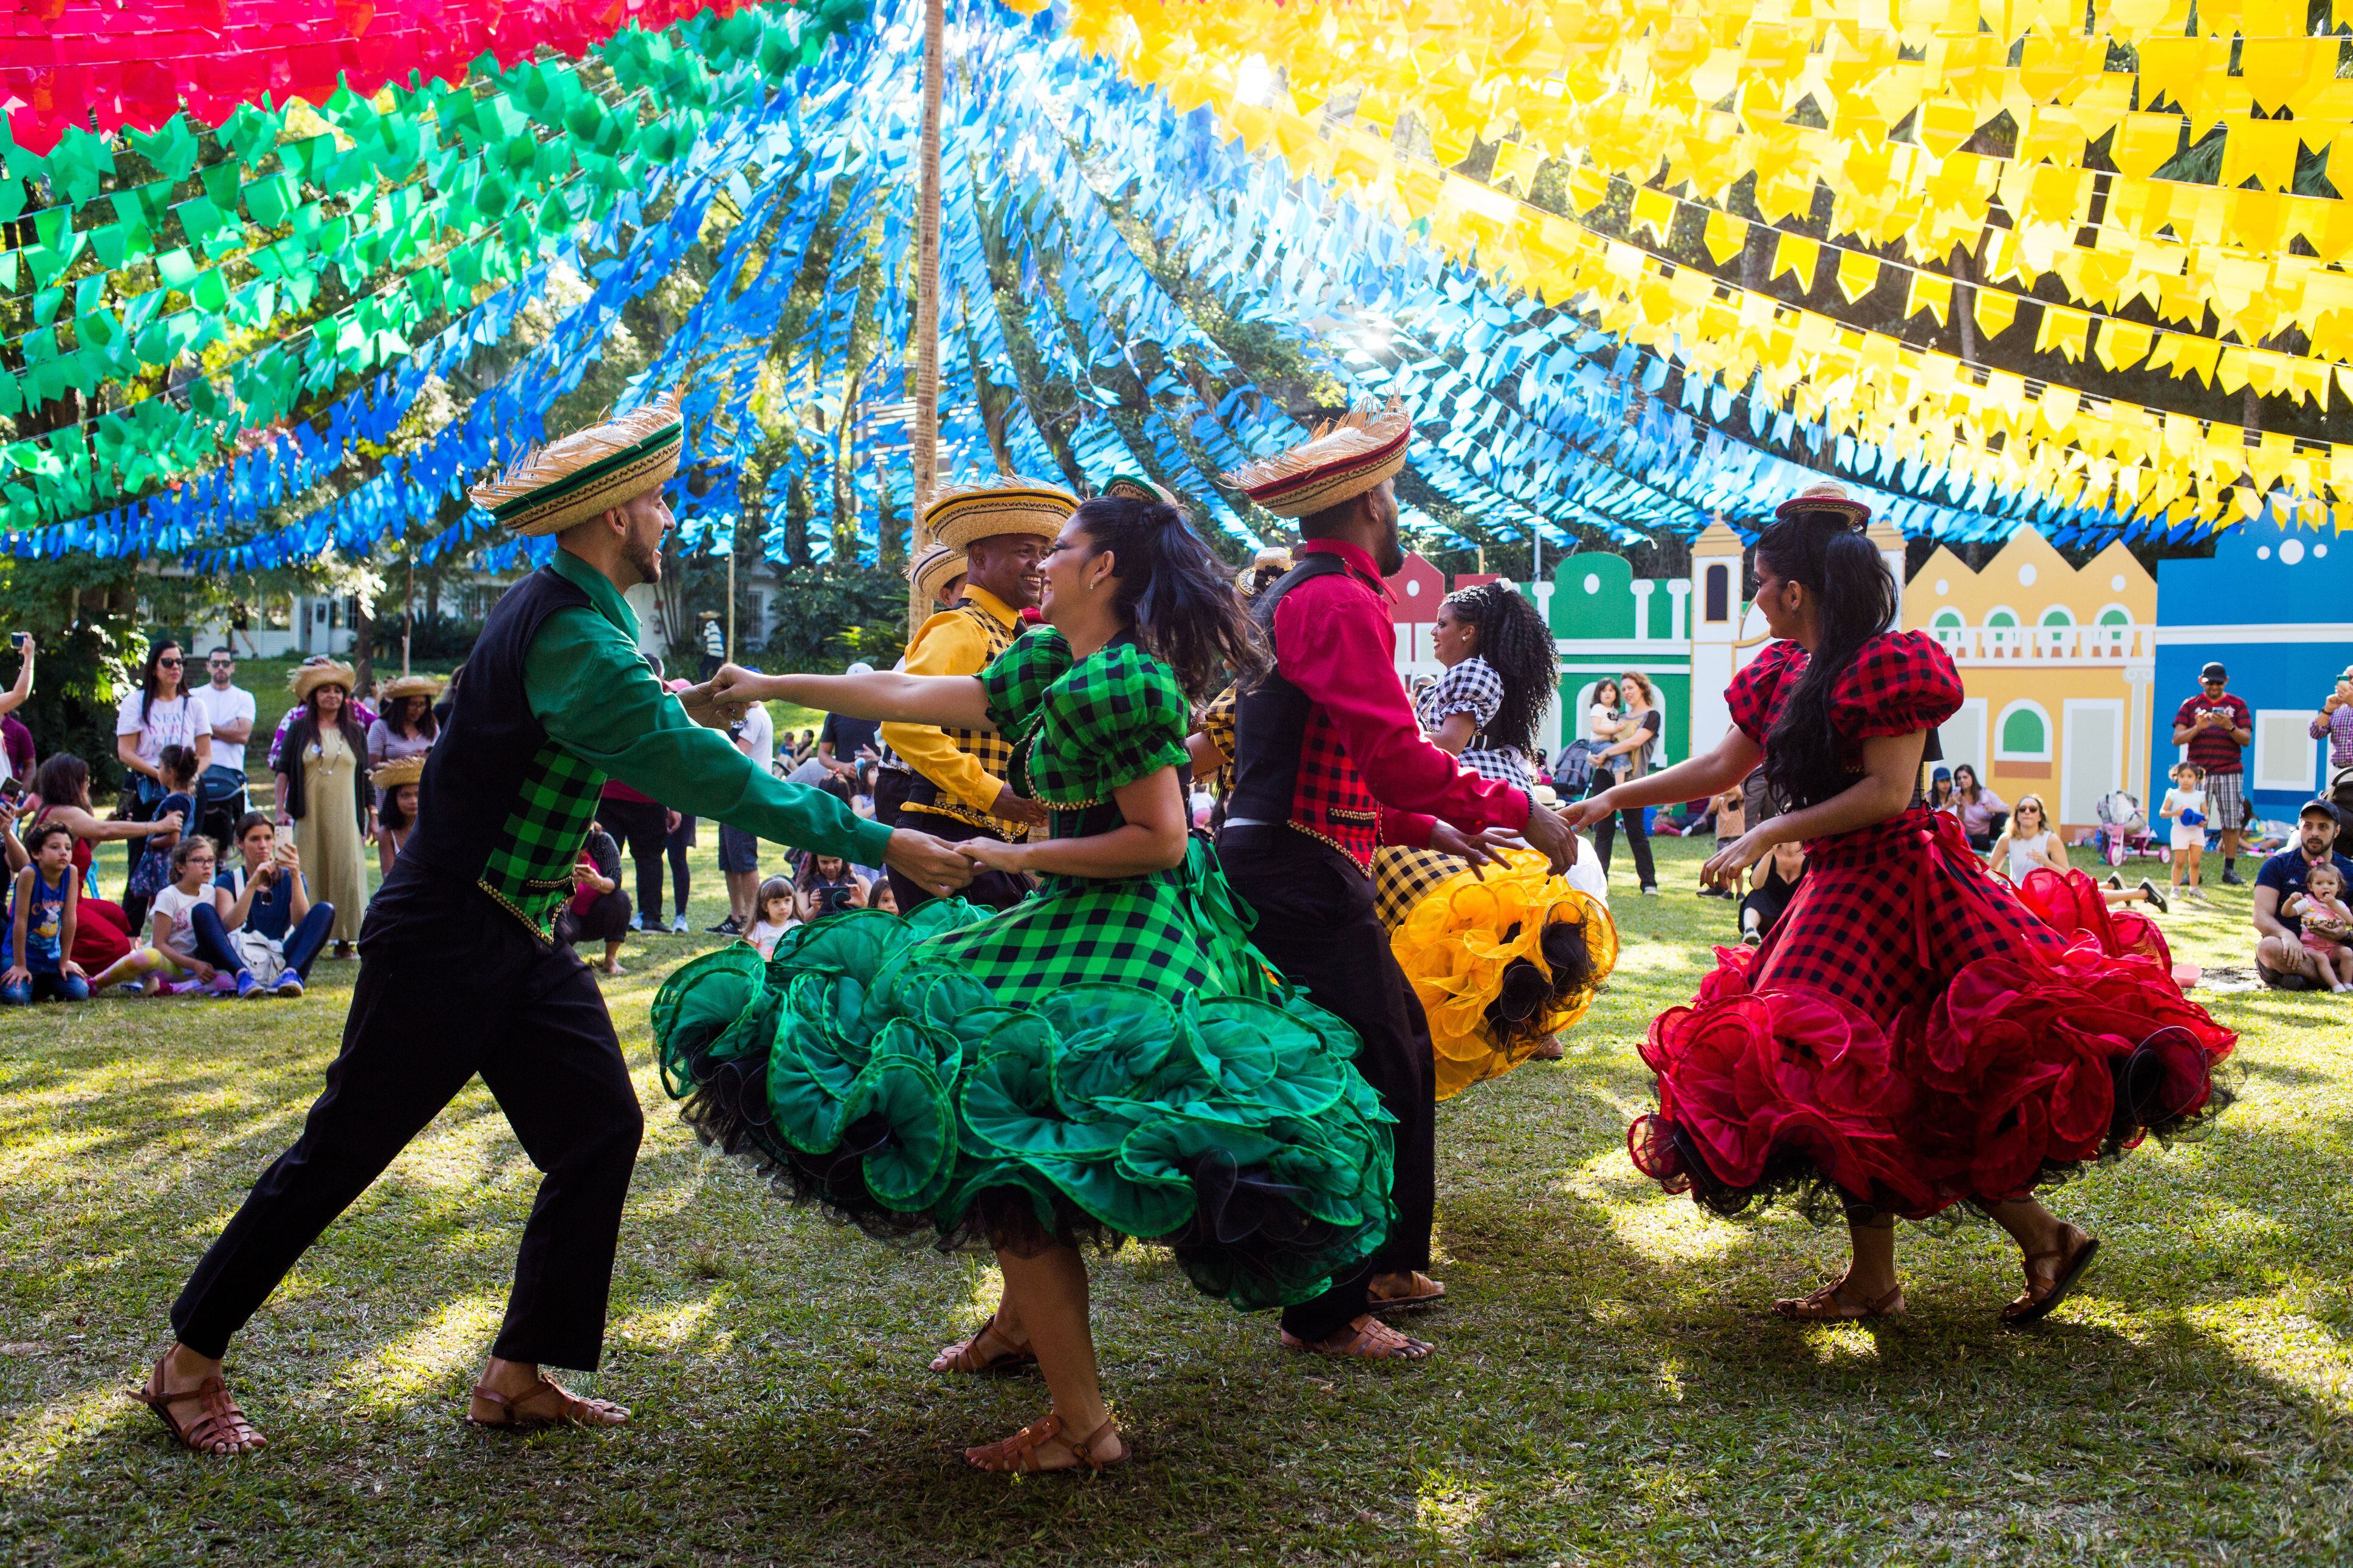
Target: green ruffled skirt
1106, 1059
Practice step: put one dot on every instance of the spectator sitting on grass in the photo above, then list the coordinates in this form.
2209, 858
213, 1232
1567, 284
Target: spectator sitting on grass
778, 915
2281, 958
171, 947
177, 765
262, 924
1731, 823
829, 886
1981, 810
396, 789
2029, 845
598, 911
39, 936
2327, 923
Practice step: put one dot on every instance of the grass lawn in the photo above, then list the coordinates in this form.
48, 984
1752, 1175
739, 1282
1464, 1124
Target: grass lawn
1609, 1386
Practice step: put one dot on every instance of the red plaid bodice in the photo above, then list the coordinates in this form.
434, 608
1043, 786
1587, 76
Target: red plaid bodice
1331, 800
1899, 683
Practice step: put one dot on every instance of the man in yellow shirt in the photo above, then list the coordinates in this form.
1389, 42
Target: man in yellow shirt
954, 783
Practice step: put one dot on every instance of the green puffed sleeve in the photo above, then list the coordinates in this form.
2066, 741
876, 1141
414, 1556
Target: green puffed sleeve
1016, 680
1123, 716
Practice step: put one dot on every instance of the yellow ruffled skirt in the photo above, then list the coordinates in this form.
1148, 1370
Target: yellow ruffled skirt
1456, 935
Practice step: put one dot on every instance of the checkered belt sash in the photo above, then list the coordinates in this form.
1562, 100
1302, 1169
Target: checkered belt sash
1909, 844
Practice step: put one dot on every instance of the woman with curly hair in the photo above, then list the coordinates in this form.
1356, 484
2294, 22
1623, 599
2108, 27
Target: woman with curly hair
1502, 961
1500, 676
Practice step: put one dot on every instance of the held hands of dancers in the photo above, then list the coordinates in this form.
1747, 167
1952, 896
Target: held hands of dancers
931, 862
1552, 835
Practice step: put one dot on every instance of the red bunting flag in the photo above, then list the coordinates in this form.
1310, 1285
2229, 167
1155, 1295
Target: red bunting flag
102, 65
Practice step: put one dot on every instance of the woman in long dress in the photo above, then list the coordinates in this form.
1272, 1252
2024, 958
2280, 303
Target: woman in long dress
1110, 1057
1911, 1035
319, 792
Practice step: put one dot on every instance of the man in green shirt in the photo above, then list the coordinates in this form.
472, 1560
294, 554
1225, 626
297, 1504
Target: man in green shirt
460, 974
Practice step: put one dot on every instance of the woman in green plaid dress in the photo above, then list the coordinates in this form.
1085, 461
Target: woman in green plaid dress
1111, 1058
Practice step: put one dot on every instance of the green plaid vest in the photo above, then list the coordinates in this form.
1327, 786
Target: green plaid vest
993, 750
502, 806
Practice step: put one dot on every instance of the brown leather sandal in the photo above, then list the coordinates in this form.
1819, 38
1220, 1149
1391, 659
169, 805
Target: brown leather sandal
969, 1356
220, 1427
1017, 1455
1826, 1305
1420, 1290
1368, 1339
548, 1404
2072, 1260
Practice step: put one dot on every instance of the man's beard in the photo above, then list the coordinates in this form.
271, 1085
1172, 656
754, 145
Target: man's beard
1390, 558
643, 558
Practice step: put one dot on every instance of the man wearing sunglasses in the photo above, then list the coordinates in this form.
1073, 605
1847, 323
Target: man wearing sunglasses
229, 707
2217, 727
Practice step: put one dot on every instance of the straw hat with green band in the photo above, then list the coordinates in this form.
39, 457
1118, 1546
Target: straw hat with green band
1136, 487
589, 473
962, 513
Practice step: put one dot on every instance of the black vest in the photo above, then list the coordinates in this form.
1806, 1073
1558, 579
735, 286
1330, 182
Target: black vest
1289, 765
501, 807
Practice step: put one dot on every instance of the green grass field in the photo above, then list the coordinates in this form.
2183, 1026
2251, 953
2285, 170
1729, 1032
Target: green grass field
1609, 1388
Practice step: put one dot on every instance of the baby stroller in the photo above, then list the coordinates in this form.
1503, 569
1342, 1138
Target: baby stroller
220, 801
1573, 770
2121, 821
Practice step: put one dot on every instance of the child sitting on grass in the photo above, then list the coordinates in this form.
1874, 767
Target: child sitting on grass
41, 924
170, 948
2184, 803
775, 915
2327, 923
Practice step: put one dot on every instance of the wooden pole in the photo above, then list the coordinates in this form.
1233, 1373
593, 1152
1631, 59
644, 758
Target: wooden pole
927, 296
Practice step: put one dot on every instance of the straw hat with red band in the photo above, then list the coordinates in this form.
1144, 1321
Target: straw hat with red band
1338, 462
1829, 497
994, 507
934, 568
398, 771
587, 474
309, 677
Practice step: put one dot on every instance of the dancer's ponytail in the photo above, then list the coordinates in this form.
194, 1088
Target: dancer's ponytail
1854, 592
1179, 597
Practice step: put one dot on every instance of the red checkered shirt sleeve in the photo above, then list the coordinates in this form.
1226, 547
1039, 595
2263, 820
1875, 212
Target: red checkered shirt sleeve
1899, 683
1337, 647
1752, 692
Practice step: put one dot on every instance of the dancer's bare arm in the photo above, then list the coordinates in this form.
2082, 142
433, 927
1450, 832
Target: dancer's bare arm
1151, 839
956, 701
1731, 759
1891, 771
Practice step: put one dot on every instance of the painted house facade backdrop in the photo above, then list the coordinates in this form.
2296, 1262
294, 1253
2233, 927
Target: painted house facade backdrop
2073, 674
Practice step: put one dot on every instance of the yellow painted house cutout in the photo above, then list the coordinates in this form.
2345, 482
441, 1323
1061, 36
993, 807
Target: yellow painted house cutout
2057, 663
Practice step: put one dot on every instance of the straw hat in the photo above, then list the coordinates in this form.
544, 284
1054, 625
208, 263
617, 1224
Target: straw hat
1829, 496
1272, 559
1339, 461
411, 686
933, 570
992, 508
1136, 487
309, 677
398, 771
587, 474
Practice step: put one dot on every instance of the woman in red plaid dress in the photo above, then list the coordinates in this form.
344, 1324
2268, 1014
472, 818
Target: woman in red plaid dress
1911, 1036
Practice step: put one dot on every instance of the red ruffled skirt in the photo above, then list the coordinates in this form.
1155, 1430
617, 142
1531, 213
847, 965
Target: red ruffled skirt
1914, 1033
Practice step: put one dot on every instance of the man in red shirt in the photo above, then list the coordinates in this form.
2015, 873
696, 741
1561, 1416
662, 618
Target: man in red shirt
2216, 726
1329, 761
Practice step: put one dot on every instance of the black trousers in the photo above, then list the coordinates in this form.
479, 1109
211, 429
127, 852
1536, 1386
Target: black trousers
451, 986
641, 827
681, 839
1316, 921
990, 890
1605, 835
